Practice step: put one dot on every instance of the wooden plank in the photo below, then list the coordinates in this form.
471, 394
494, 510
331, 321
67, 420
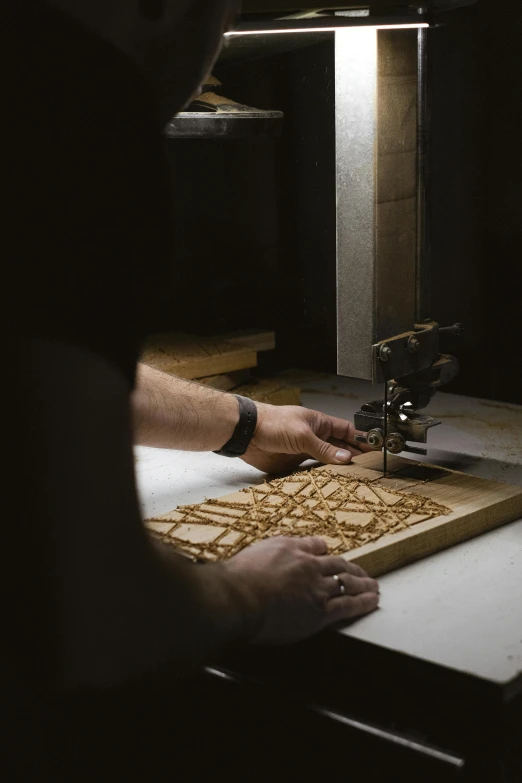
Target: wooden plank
272, 391
189, 356
259, 340
477, 506
226, 382
269, 390
378, 522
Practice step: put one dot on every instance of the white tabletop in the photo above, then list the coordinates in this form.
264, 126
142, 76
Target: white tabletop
460, 608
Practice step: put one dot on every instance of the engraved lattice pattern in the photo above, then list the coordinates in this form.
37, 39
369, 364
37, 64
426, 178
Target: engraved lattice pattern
347, 511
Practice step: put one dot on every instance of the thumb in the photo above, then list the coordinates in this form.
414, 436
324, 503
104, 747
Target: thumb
323, 451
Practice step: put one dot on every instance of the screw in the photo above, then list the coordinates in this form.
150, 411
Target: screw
413, 345
375, 439
456, 329
384, 352
395, 443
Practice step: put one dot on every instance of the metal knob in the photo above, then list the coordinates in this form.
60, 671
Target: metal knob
375, 439
413, 345
395, 443
456, 329
384, 352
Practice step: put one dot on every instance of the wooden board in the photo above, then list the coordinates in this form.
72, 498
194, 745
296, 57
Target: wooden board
251, 338
188, 356
270, 390
226, 382
379, 523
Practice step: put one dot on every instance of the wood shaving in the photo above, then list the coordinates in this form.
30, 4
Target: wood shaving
347, 511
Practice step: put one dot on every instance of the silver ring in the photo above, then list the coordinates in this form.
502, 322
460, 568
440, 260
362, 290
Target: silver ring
342, 588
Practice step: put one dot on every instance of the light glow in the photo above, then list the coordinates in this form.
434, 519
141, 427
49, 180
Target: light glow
415, 26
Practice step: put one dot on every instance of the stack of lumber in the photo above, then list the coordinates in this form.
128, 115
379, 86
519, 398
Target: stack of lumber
224, 362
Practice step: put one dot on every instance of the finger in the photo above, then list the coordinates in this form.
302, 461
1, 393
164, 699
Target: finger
364, 447
341, 429
313, 544
354, 448
335, 565
332, 564
353, 585
325, 452
347, 607
343, 434
354, 569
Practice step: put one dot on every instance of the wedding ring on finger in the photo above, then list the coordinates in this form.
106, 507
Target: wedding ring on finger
342, 588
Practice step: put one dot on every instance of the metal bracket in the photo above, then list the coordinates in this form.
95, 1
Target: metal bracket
406, 353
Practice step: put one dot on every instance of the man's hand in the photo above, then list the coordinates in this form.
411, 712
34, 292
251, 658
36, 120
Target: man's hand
294, 588
288, 435
172, 413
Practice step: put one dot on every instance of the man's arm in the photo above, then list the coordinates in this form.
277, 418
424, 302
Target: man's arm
173, 413
88, 591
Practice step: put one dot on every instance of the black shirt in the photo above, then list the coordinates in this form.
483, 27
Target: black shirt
85, 188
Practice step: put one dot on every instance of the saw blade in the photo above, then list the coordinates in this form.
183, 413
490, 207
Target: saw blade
385, 422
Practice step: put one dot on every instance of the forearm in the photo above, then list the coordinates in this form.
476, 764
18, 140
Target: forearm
217, 609
123, 606
172, 413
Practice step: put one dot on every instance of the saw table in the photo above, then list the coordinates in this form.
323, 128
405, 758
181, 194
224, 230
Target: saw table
433, 679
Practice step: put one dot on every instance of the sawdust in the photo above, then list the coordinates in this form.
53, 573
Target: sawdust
345, 510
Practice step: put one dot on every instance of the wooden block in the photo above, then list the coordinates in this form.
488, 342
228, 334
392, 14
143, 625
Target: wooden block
357, 472
198, 534
226, 382
396, 483
251, 338
188, 356
271, 391
379, 523
475, 506
161, 528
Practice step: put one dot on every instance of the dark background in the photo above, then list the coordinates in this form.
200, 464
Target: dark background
477, 199
255, 219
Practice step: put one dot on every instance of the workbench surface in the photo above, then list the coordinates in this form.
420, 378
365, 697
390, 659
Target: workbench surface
461, 608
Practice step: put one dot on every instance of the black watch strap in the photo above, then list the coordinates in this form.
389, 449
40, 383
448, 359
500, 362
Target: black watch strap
244, 431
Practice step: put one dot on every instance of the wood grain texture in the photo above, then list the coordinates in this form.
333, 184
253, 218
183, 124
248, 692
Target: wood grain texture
379, 522
188, 356
251, 338
270, 390
227, 381
477, 506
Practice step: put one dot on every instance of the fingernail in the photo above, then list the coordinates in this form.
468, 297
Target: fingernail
343, 456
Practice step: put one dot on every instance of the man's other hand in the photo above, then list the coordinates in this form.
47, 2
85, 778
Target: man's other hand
293, 588
288, 435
